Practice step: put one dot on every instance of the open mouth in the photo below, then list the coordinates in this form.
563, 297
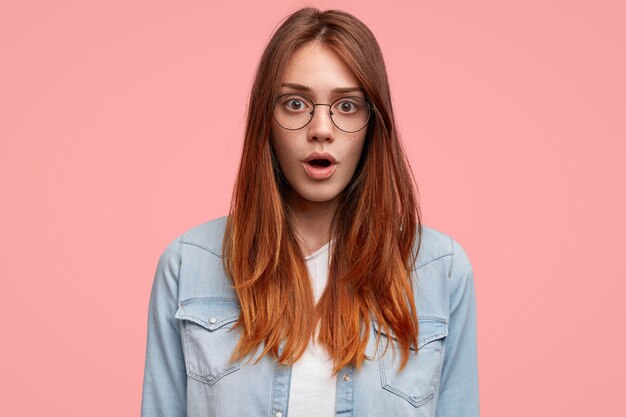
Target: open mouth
319, 168
319, 163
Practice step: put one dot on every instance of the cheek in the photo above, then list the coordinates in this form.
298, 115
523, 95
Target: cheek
356, 150
284, 150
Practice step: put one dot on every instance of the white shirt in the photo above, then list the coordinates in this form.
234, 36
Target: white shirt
312, 391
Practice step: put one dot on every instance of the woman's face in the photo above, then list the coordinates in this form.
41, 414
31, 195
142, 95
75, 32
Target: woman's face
320, 69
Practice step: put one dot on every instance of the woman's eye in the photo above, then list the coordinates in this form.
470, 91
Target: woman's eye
294, 104
347, 106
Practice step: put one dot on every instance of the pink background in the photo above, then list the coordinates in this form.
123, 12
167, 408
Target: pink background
121, 126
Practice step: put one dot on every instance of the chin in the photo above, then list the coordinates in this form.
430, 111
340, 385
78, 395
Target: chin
319, 197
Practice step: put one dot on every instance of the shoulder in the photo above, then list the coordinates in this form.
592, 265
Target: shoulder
432, 245
441, 272
436, 246
198, 253
207, 236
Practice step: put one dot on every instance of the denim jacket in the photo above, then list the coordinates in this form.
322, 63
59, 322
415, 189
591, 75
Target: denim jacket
193, 307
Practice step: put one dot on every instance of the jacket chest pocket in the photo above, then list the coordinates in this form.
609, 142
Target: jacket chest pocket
417, 381
208, 337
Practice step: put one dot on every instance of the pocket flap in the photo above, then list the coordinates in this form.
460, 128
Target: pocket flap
429, 328
210, 313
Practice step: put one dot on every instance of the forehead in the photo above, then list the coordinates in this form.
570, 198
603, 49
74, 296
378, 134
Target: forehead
319, 67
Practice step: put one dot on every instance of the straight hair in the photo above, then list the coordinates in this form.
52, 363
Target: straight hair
375, 227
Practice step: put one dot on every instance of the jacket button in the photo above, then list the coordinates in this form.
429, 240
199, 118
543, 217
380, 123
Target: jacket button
278, 414
212, 320
284, 363
346, 377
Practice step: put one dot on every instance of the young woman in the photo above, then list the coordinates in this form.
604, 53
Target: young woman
320, 294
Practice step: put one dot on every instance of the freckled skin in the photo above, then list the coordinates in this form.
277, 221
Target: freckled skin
317, 66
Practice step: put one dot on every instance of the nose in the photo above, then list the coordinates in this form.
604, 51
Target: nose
321, 126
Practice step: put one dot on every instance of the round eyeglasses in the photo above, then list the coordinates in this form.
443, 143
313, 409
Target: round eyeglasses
349, 114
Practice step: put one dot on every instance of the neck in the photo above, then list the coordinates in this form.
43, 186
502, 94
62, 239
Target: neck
312, 222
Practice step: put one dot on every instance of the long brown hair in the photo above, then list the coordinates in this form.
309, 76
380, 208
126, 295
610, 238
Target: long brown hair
375, 225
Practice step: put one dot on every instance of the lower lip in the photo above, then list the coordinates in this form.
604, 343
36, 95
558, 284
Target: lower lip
319, 173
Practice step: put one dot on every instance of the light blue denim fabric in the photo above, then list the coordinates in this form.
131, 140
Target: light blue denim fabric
192, 307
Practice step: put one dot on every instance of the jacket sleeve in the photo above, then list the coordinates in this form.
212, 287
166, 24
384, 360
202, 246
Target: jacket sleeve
458, 393
164, 381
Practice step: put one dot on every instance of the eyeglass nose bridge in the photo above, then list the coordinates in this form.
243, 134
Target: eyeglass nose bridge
330, 110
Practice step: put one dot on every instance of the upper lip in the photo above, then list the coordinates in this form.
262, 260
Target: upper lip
321, 155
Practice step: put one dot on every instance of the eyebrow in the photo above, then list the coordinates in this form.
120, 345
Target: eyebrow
338, 90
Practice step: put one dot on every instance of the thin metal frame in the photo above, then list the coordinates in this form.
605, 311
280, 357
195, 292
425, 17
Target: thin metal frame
330, 106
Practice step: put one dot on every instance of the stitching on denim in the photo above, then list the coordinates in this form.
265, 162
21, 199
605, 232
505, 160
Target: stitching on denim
351, 392
214, 379
289, 371
185, 345
428, 317
431, 261
420, 343
196, 377
205, 324
452, 254
195, 300
421, 317
201, 247
273, 390
432, 338
414, 403
383, 372
386, 385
